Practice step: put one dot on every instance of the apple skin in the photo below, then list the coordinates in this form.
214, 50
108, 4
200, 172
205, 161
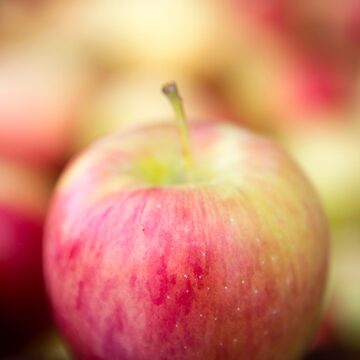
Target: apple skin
140, 265
23, 199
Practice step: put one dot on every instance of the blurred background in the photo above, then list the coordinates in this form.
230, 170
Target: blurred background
74, 70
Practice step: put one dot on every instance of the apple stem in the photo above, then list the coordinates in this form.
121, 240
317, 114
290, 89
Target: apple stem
172, 93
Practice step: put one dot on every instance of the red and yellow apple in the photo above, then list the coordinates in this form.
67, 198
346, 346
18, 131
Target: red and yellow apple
327, 26
306, 90
224, 258
24, 195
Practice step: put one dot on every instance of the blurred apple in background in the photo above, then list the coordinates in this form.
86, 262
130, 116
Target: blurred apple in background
41, 95
330, 26
278, 88
18, 18
132, 99
330, 156
155, 33
344, 308
285, 67
49, 346
324, 26
24, 196
339, 335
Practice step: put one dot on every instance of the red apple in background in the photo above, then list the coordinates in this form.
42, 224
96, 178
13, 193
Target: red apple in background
326, 26
305, 90
272, 14
23, 198
329, 26
219, 255
40, 97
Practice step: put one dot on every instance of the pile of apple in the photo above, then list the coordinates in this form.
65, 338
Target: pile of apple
131, 230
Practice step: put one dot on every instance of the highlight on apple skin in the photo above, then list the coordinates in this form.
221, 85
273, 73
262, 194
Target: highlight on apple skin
227, 261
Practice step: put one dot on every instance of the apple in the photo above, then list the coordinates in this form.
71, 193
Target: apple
154, 34
41, 95
344, 310
271, 14
49, 346
24, 194
331, 27
325, 337
306, 89
18, 18
219, 254
330, 155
